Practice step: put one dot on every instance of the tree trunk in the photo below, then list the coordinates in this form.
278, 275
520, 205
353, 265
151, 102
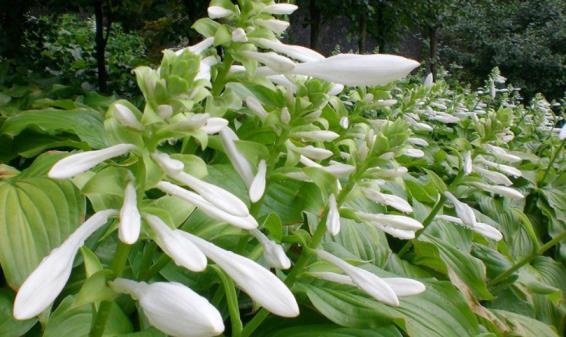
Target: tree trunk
432, 42
380, 28
363, 33
315, 23
12, 21
101, 46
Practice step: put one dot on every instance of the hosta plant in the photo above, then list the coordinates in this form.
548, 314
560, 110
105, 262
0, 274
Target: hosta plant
262, 189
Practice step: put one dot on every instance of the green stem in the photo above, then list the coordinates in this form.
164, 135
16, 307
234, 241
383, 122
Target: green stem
118, 265
161, 262
220, 80
426, 222
528, 259
232, 301
554, 156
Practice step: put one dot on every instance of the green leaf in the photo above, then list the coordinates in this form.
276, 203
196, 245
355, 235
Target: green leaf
524, 326
10, 327
329, 330
86, 124
69, 321
36, 215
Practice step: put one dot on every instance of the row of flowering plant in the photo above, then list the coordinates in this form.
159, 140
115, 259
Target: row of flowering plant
262, 189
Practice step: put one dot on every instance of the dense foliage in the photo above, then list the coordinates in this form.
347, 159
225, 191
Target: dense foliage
249, 193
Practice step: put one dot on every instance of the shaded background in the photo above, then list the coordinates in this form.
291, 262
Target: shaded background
95, 43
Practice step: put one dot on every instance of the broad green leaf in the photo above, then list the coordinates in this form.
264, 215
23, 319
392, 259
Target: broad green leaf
85, 123
10, 327
36, 215
329, 330
524, 326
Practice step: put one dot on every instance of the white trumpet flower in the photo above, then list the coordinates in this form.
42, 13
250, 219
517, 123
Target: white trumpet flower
255, 105
218, 12
199, 47
312, 152
401, 286
276, 62
486, 230
204, 68
501, 190
502, 153
276, 26
316, 136
285, 116
239, 35
493, 176
214, 125
173, 308
257, 188
215, 195
337, 169
273, 253
259, 283
506, 169
300, 53
280, 9
428, 81
399, 226
239, 162
414, 153
78, 163
183, 251
333, 217
126, 117
247, 222
363, 279
130, 219
344, 122
463, 210
46, 282
418, 141
468, 163
388, 200
358, 70
336, 89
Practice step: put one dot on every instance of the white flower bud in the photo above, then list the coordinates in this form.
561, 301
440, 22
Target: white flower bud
465, 212
173, 308
280, 9
333, 217
255, 106
276, 62
501, 190
165, 111
218, 12
126, 117
318, 135
276, 26
273, 253
78, 163
257, 188
130, 219
239, 35
388, 200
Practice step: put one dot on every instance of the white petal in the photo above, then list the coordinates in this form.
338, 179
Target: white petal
502, 153
239, 35
344, 122
218, 12
509, 170
257, 188
355, 70
488, 231
276, 26
239, 162
415, 153
391, 220
388, 200
450, 218
209, 209
315, 153
168, 165
429, 81
386, 102
418, 141
501, 190
215, 195
319, 135
467, 162
366, 281
333, 277
404, 286
274, 253
285, 116
259, 283
126, 117
464, 211
300, 53
333, 217
562, 134
255, 105
214, 125
183, 251
280, 9
130, 218
78, 163
165, 111
173, 308
199, 47
44, 284
336, 89
276, 62
493, 176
